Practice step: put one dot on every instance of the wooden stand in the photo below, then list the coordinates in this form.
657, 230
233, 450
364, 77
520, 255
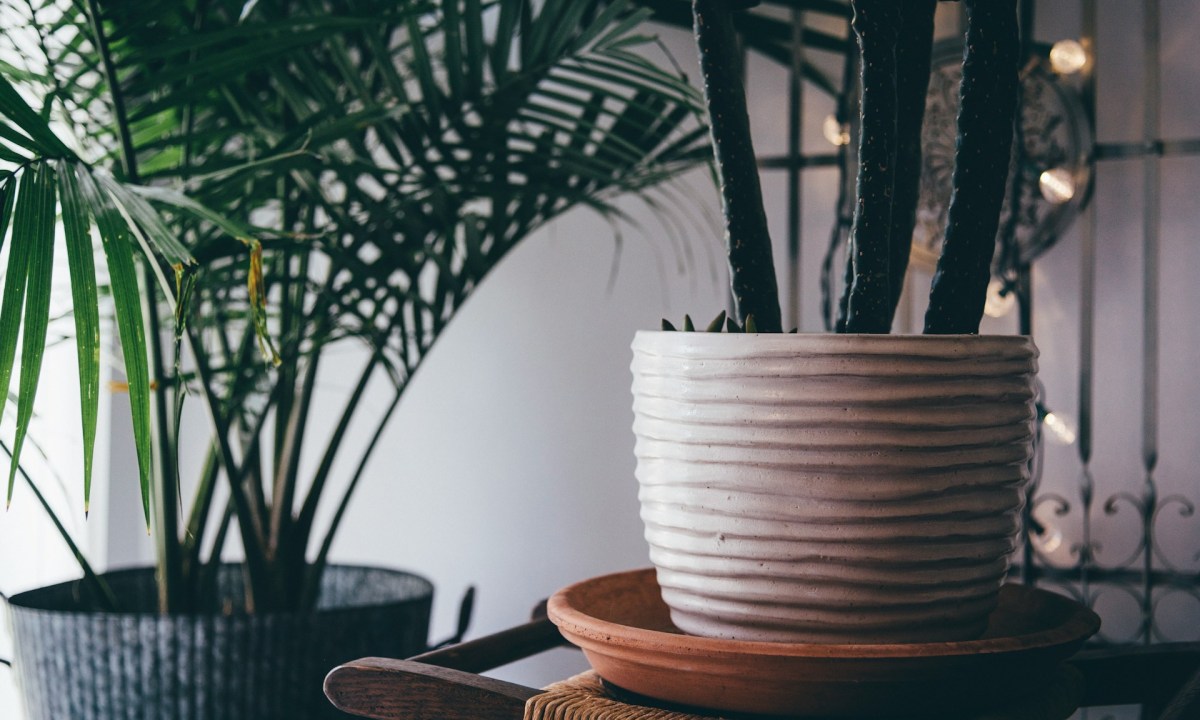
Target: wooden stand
443, 684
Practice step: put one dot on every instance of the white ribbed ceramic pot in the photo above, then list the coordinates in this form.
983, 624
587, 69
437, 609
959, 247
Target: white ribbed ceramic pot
832, 488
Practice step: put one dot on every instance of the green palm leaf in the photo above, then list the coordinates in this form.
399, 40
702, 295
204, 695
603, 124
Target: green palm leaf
163, 240
127, 301
37, 133
84, 294
10, 156
16, 276
194, 207
33, 237
8, 195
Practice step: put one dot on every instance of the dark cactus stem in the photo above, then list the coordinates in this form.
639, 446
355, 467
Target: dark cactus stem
987, 105
843, 209
752, 270
876, 24
847, 286
913, 55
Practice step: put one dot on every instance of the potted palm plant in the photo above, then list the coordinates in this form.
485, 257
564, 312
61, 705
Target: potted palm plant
269, 179
856, 486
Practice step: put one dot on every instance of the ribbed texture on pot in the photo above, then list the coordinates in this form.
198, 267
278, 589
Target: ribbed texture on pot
139, 665
832, 488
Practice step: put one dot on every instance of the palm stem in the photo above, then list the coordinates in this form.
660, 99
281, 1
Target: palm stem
124, 134
206, 574
198, 519
313, 581
287, 468
308, 512
253, 535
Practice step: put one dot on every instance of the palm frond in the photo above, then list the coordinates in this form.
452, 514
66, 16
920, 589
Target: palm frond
85, 300
33, 238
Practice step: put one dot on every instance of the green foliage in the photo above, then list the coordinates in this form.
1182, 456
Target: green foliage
85, 301
337, 171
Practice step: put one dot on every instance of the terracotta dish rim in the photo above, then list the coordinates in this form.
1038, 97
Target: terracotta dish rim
563, 611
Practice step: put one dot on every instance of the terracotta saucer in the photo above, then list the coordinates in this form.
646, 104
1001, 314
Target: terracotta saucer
625, 631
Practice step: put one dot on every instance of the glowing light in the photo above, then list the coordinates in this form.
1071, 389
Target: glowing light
1068, 57
1000, 299
1057, 185
837, 133
1050, 539
1060, 428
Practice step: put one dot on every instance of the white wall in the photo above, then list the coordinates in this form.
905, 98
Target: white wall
510, 464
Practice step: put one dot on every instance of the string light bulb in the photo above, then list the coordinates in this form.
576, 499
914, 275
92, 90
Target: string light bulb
1000, 299
1049, 539
836, 131
1060, 428
1046, 536
1068, 57
1057, 185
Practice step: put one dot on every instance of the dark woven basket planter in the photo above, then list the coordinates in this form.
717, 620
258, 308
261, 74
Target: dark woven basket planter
80, 665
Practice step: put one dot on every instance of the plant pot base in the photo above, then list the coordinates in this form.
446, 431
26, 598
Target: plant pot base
83, 665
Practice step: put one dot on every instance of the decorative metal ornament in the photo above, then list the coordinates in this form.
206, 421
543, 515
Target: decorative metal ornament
1054, 151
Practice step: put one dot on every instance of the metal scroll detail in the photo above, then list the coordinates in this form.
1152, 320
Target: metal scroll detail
1146, 591
1055, 137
